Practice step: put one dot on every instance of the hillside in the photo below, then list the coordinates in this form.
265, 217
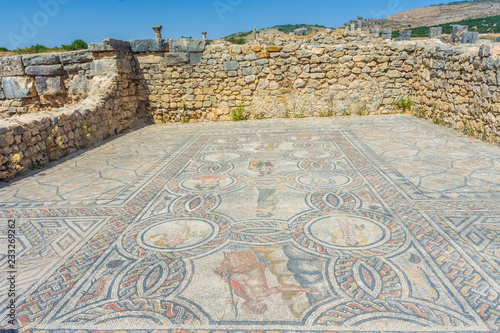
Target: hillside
439, 14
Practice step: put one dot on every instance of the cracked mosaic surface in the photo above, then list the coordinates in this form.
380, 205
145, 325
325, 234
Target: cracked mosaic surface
328, 224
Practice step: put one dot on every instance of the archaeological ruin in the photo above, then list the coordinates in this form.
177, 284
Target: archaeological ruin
52, 105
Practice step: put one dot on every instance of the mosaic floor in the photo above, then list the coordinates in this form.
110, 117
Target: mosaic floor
303, 225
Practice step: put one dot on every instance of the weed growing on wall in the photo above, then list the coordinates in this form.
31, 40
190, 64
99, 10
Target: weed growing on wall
237, 114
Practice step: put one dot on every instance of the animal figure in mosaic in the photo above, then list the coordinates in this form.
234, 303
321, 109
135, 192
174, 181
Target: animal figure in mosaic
177, 236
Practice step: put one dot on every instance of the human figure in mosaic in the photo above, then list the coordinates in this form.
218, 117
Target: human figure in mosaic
247, 279
269, 187
350, 234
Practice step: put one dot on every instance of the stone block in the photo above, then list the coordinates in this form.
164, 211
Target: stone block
110, 66
300, 32
48, 86
387, 33
195, 58
457, 32
11, 66
78, 85
375, 32
75, 57
273, 48
18, 86
41, 59
149, 45
42, 70
470, 37
231, 65
187, 45
176, 58
110, 44
405, 35
435, 31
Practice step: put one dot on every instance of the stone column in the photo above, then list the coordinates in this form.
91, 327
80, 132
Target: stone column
387, 33
204, 34
157, 29
353, 25
347, 25
360, 22
435, 31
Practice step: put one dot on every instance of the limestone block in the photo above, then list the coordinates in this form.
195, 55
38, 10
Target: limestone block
11, 66
231, 65
149, 59
290, 47
109, 44
41, 59
187, 45
48, 85
195, 58
149, 45
18, 86
110, 66
42, 70
75, 57
273, 48
78, 85
176, 58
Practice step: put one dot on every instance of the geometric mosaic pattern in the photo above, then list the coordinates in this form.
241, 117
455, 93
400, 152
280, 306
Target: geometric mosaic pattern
312, 225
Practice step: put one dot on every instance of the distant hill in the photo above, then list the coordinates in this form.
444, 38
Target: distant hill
439, 14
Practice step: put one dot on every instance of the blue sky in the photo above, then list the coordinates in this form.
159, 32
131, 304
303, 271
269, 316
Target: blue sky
56, 22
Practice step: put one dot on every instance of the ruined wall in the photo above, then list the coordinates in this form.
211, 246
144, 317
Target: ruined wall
106, 89
33, 83
459, 87
110, 105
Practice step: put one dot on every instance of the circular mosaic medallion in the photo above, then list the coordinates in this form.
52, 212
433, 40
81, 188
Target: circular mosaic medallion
357, 233
178, 234
208, 183
164, 235
347, 231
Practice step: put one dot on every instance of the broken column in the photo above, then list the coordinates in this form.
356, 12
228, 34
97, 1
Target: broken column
360, 22
435, 31
375, 32
204, 34
387, 33
470, 37
347, 25
157, 29
457, 32
353, 25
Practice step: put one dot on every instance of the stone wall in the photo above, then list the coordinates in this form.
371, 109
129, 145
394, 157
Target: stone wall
34, 83
105, 89
110, 105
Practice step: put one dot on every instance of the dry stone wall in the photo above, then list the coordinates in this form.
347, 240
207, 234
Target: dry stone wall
110, 105
54, 104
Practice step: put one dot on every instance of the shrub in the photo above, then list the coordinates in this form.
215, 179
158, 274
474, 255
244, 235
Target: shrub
77, 44
3, 49
237, 113
233, 40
